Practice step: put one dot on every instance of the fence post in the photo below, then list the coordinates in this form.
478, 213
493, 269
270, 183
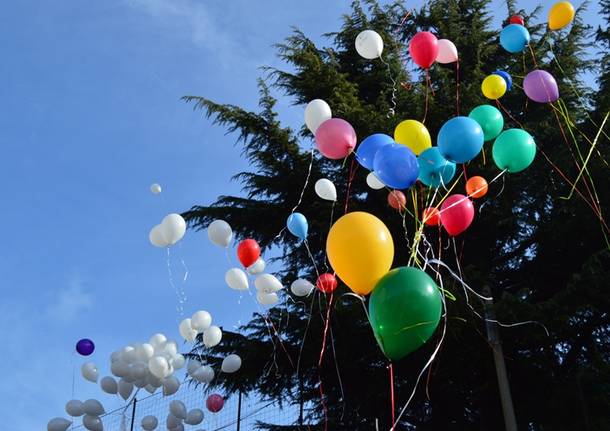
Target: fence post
239, 410
133, 413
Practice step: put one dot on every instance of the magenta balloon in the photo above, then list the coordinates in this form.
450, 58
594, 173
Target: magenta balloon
214, 403
335, 138
457, 212
541, 87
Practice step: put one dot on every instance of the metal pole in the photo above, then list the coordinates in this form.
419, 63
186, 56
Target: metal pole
503, 386
133, 413
239, 411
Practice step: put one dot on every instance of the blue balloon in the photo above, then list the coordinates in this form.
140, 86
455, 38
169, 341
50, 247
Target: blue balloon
514, 38
460, 139
396, 166
434, 169
297, 225
507, 78
365, 154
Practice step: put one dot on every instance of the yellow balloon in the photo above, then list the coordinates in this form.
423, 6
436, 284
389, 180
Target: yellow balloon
413, 135
560, 15
360, 250
493, 87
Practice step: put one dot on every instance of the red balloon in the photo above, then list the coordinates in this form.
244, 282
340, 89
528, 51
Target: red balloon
327, 282
248, 252
516, 19
424, 49
457, 212
214, 403
432, 216
397, 200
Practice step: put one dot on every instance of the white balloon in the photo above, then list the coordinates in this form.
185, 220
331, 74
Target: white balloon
58, 424
374, 182
129, 355
212, 336
170, 349
173, 227
369, 44
192, 366
149, 423
447, 52
301, 287
75, 408
119, 368
115, 356
220, 233
138, 370
157, 237
326, 189
316, 112
93, 423
201, 320
150, 389
157, 340
144, 352
257, 267
125, 389
194, 417
178, 409
236, 279
93, 407
140, 383
158, 366
170, 385
267, 283
109, 385
186, 331
172, 421
179, 427
231, 363
89, 372
267, 298
177, 361
205, 374
155, 189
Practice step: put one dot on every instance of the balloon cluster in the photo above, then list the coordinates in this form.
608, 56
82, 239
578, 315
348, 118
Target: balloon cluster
171, 230
178, 415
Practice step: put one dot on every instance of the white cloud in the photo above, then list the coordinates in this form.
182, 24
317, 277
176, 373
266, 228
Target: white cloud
68, 302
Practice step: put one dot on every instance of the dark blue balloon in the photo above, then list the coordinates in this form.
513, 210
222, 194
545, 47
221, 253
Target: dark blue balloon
506, 77
297, 225
514, 38
396, 166
85, 347
460, 139
434, 169
365, 154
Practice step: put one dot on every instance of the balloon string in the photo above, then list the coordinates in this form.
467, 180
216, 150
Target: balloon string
457, 86
306, 180
311, 257
332, 344
426, 98
350, 179
391, 368
330, 225
321, 358
179, 308
392, 110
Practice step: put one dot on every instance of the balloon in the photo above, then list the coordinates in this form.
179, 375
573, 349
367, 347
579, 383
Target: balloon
397, 200
335, 138
404, 309
85, 347
540, 86
365, 154
413, 135
493, 86
236, 279
220, 233
514, 38
326, 189
360, 250
490, 119
431, 216
109, 385
158, 366
561, 15
434, 169
460, 139
194, 417
214, 403
507, 78
125, 389
396, 166
192, 366
257, 267
369, 44
516, 19
301, 287
267, 298
93, 423
457, 212
248, 251
75, 408
186, 330
297, 225
177, 361
156, 237
144, 352
128, 354
212, 336
172, 422
170, 385
149, 423
514, 150
204, 374
327, 282
201, 320
170, 348
476, 187
423, 48
267, 283
231, 363
89, 372
155, 189
373, 182
173, 227
157, 340
316, 112
58, 424
119, 368
447, 52
177, 409
93, 407
150, 389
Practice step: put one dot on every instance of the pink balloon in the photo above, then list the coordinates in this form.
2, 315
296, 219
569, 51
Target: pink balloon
214, 403
457, 212
447, 52
335, 138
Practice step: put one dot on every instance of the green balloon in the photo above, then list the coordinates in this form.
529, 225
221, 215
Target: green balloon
405, 308
514, 150
490, 119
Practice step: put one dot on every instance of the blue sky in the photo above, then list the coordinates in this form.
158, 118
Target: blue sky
92, 117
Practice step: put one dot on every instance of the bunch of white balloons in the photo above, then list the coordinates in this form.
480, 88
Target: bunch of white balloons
200, 323
90, 410
178, 416
171, 230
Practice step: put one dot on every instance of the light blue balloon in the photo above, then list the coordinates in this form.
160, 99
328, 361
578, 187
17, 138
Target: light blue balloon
365, 154
460, 139
396, 166
514, 38
297, 225
434, 169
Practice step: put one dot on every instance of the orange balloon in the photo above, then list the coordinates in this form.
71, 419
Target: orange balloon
397, 200
476, 187
431, 216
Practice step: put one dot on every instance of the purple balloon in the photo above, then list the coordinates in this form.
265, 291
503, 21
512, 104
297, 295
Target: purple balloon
541, 87
85, 347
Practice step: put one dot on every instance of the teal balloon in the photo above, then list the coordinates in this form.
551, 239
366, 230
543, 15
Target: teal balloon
514, 150
434, 169
460, 139
405, 309
490, 119
297, 225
